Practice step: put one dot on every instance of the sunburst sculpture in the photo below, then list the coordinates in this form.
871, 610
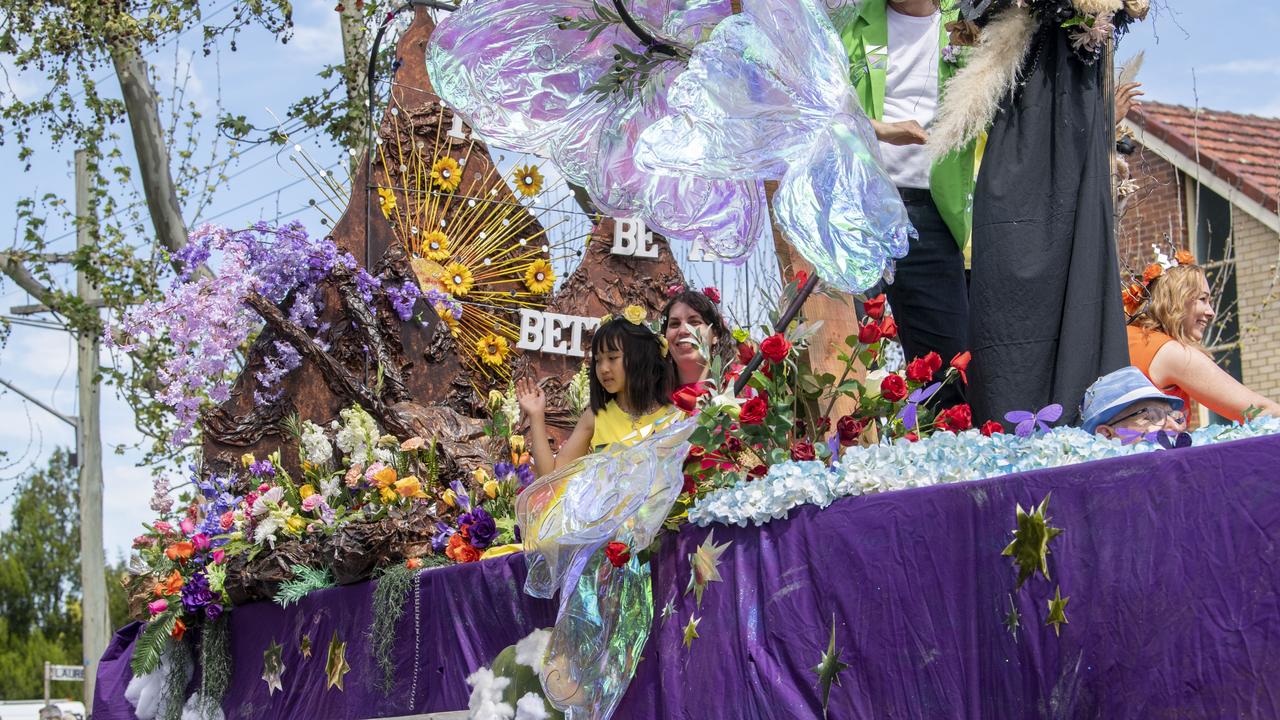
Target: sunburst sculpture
477, 247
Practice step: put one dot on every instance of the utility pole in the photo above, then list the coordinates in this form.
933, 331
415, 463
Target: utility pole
95, 623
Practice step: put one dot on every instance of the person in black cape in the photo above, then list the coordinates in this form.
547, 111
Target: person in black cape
1046, 318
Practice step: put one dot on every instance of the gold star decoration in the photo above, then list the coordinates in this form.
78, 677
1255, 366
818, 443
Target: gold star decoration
272, 667
691, 631
305, 645
1030, 546
1057, 611
829, 668
1013, 620
704, 566
335, 667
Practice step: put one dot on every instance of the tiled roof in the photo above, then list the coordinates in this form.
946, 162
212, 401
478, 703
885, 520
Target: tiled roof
1243, 150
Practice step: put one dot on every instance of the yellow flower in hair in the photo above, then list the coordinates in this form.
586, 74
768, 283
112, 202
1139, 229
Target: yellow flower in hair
634, 314
435, 246
606, 318
457, 279
539, 278
528, 180
493, 350
446, 174
386, 201
663, 346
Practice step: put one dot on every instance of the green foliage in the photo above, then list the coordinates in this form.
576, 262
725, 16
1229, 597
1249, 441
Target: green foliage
389, 596
215, 663
305, 579
152, 641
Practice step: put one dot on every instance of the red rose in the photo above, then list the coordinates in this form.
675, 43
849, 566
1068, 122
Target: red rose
889, 328
957, 417
961, 363
801, 278
991, 427
934, 361
918, 371
753, 411
848, 428
712, 294
733, 445
911, 437
869, 333
874, 307
690, 485
758, 471
775, 348
686, 398
893, 388
824, 424
803, 450
618, 553
745, 353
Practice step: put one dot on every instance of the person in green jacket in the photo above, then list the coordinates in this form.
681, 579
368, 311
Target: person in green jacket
899, 59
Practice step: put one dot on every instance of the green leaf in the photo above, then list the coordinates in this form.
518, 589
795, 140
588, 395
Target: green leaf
151, 643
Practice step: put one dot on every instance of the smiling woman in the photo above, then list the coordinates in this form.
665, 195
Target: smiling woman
696, 332
1164, 342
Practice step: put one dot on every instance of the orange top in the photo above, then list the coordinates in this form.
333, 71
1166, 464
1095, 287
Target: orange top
1143, 346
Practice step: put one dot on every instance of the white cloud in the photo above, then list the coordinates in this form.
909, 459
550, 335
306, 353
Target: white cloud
1262, 66
319, 42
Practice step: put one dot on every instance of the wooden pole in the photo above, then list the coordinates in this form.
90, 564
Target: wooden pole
95, 622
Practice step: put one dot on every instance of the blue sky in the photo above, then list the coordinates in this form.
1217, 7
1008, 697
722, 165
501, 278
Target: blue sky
1220, 55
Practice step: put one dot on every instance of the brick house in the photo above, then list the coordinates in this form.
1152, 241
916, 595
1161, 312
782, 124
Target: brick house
1209, 182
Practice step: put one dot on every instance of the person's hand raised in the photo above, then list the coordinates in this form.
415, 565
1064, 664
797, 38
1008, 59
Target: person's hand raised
532, 400
1126, 96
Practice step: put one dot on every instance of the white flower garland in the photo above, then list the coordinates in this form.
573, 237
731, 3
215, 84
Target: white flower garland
937, 459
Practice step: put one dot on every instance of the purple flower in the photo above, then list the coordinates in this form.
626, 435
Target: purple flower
503, 470
402, 299
480, 527
525, 473
213, 610
440, 540
262, 469
196, 593
951, 54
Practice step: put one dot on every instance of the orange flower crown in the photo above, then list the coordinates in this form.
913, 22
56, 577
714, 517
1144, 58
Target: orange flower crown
1138, 292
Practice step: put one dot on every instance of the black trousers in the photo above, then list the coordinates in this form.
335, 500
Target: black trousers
929, 294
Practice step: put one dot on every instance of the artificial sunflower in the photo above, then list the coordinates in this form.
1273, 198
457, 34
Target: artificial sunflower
452, 323
435, 246
528, 180
457, 279
386, 201
492, 350
446, 174
634, 314
539, 277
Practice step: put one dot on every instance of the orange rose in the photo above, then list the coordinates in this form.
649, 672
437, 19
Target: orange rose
460, 550
180, 551
179, 628
171, 585
1184, 257
1153, 271
1133, 296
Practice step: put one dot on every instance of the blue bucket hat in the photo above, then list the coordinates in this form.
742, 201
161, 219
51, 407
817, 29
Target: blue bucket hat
1113, 392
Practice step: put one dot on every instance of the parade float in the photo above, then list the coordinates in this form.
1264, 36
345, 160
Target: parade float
364, 535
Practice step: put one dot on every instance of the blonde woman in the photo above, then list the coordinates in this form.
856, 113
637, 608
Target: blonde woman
1164, 343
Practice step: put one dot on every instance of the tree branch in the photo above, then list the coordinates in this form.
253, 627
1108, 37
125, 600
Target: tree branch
11, 264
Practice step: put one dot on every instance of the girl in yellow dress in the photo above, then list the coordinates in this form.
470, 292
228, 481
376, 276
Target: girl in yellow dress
632, 379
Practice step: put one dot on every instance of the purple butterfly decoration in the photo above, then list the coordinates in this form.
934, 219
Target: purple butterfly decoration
1028, 421
908, 413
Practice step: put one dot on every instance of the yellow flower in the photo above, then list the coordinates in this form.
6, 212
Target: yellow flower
495, 400
446, 174
606, 318
387, 495
384, 477
491, 489
386, 201
480, 475
634, 314
517, 444
457, 279
307, 466
246, 459
528, 180
449, 497
663, 346
450, 323
306, 491
539, 277
409, 487
295, 524
492, 349
435, 246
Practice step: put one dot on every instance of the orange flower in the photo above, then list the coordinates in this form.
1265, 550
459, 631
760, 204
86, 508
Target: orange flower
413, 563
459, 550
179, 628
385, 477
1184, 257
1153, 271
410, 487
1133, 298
171, 585
180, 551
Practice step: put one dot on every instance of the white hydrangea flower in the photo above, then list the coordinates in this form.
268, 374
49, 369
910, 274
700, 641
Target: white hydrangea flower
485, 702
315, 446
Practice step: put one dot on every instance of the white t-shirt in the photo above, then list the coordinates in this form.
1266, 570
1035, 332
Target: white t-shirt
910, 91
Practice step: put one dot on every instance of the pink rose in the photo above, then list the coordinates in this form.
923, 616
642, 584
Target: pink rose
311, 502
156, 607
188, 526
200, 541
163, 527
218, 556
227, 520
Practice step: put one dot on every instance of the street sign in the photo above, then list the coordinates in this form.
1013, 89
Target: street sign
74, 673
